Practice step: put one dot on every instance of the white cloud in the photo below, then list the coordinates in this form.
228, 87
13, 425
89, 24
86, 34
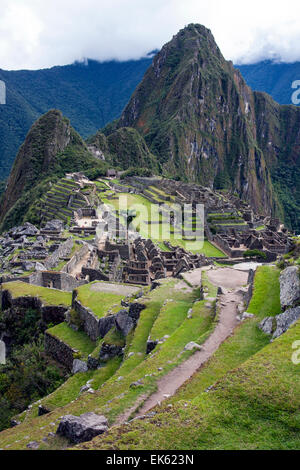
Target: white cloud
43, 33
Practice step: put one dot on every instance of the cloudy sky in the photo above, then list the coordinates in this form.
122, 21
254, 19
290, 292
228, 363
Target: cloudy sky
42, 33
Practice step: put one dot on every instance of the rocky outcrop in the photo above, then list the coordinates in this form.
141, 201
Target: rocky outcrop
290, 302
82, 428
285, 320
124, 323
79, 366
290, 287
108, 351
279, 324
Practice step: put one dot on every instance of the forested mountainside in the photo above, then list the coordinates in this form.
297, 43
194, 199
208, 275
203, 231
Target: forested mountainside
51, 148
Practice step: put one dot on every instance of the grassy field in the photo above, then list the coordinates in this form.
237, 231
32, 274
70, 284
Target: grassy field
253, 398
47, 296
253, 407
114, 395
158, 232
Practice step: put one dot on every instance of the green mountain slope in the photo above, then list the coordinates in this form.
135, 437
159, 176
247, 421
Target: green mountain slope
51, 148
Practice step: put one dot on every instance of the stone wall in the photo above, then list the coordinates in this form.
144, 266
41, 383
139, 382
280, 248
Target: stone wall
77, 258
93, 326
94, 274
60, 351
62, 251
55, 280
49, 313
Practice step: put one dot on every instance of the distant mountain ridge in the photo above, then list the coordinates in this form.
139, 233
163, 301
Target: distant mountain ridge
274, 78
89, 94
92, 94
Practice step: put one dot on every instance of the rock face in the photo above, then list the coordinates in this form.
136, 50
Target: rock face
124, 323
267, 325
279, 324
79, 366
290, 287
82, 428
285, 320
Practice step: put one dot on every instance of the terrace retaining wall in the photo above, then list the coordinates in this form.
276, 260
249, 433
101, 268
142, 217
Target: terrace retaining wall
93, 326
60, 351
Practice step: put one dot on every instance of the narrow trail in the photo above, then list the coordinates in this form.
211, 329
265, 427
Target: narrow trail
229, 301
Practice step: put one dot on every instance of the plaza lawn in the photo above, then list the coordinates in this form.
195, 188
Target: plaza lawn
99, 302
47, 296
158, 232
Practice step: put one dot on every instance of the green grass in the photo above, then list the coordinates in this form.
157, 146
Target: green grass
69, 391
98, 302
154, 231
47, 296
115, 396
231, 415
253, 407
247, 340
266, 295
75, 339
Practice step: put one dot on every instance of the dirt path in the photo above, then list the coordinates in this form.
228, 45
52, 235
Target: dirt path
78, 267
227, 278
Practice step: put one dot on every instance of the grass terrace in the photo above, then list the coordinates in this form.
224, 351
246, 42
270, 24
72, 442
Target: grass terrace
101, 302
47, 296
75, 339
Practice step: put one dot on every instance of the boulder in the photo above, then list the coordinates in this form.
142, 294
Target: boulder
39, 267
43, 410
285, 320
192, 345
108, 351
33, 445
151, 345
267, 325
135, 310
92, 363
290, 287
79, 366
279, 324
82, 428
124, 323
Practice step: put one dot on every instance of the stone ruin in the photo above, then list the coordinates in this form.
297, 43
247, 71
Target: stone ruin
234, 237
